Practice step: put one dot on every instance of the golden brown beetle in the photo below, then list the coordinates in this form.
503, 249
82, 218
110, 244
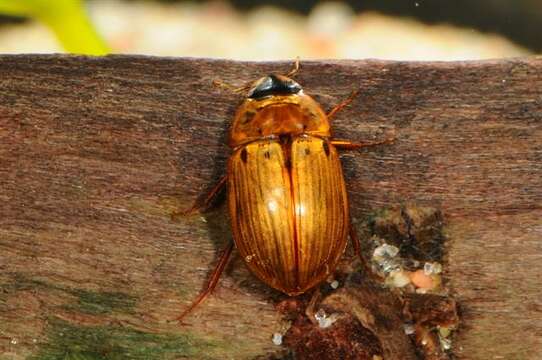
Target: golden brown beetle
286, 193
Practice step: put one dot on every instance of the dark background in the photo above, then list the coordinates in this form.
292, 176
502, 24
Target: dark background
518, 20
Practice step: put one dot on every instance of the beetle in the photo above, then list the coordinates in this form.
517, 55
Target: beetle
286, 192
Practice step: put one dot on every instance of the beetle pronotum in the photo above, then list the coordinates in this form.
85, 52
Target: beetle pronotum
286, 192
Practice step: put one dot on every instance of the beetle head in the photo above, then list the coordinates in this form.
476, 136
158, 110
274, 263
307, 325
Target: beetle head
273, 85
276, 106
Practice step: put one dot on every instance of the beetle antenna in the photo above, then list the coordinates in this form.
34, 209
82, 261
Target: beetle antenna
236, 90
295, 70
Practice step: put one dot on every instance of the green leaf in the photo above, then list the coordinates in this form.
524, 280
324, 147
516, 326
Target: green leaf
66, 18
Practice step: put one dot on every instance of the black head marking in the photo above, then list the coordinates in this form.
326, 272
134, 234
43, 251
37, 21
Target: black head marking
274, 85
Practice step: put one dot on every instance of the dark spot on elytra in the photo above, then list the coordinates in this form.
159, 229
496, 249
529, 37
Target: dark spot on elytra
307, 151
326, 147
244, 155
310, 114
288, 163
249, 115
284, 139
267, 155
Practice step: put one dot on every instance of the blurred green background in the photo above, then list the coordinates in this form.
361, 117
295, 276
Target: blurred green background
400, 29
67, 19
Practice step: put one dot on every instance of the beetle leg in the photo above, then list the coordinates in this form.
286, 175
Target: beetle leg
342, 104
357, 249
208, 199
215, 276
349, 145
355, 241
311, 309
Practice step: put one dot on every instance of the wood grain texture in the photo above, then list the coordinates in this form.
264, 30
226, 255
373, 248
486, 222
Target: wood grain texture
95, 154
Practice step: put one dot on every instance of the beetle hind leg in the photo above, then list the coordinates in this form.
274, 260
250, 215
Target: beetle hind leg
213, 281
366, 267
355, 241
312, 307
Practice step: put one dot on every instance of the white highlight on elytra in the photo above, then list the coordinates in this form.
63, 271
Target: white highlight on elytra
272, 205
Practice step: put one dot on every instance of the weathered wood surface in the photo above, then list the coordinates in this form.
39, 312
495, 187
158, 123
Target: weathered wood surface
96, 153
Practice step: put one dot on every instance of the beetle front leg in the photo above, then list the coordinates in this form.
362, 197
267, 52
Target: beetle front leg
213, 281
208, 199
342, 104
346, 144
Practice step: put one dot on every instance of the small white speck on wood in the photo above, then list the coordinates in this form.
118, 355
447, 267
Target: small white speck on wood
277, 339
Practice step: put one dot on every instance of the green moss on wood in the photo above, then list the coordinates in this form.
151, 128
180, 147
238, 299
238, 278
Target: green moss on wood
70, 341
86, 301
91, 302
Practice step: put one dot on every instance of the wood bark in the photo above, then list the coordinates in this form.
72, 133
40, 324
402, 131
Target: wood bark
97, 153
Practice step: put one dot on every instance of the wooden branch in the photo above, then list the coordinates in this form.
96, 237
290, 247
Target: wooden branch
96, 153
